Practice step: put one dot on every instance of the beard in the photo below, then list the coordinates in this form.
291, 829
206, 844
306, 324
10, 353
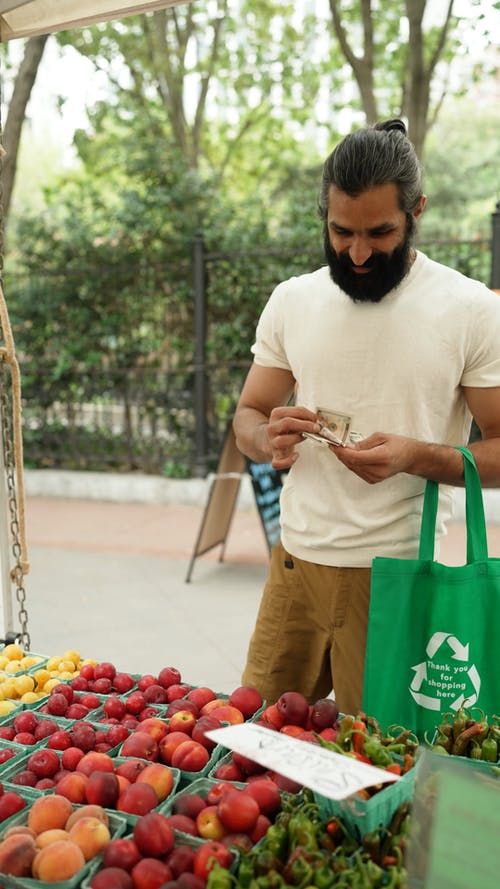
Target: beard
386, 272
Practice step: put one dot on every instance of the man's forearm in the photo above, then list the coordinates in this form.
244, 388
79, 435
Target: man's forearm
444, 464
250, 429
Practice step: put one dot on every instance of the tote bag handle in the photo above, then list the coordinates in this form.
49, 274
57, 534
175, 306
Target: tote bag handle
477, 546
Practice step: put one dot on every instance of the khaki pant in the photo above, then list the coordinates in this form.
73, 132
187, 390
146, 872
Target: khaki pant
310, 633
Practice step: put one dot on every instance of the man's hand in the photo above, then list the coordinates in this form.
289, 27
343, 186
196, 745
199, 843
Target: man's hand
378, 457
284, 431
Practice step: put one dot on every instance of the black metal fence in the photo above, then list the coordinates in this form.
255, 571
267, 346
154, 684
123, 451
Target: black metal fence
149, 383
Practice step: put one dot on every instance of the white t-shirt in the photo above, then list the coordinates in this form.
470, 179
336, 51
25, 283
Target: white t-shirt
394, 366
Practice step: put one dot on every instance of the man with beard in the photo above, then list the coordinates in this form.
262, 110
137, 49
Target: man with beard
397, 342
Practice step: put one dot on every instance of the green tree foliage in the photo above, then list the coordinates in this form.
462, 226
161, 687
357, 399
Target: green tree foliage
401, 53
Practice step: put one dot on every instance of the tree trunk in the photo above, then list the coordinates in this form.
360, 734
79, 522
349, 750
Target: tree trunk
23, 85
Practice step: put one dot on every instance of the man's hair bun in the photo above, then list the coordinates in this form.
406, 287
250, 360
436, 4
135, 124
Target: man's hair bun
394, 124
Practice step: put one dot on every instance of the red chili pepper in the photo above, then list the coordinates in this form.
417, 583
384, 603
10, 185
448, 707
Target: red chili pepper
394, 767
359, 733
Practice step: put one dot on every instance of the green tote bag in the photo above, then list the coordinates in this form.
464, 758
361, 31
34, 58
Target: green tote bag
433, 642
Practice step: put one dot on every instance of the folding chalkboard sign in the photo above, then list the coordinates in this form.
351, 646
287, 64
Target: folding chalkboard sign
223, 493
267, 484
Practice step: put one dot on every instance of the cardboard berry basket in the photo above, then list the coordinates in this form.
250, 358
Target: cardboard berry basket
40, 660
18, 751
28, 796
361, 816
200, 786
117, 827
186, 840
186, 777
128, 816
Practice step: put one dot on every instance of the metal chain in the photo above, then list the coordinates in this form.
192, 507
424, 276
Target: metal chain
10, 469
17, 571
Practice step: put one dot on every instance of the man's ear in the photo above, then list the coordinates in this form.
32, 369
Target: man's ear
420, 207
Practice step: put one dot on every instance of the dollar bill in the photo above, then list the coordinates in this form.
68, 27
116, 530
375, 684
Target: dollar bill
355, 436
336, 425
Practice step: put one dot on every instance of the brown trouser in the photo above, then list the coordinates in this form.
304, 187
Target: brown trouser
310, 634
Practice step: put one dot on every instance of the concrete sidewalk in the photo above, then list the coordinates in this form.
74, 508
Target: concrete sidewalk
108, 578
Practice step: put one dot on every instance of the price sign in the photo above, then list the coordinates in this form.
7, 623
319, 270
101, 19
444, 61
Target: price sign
332, 774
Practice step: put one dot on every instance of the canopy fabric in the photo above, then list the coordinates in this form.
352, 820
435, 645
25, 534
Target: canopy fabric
26, 18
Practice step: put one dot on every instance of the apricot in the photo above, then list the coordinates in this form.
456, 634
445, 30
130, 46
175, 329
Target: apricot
58, 861
17, 853
89, 811
91, 835
51, 836
49, 811
19, 828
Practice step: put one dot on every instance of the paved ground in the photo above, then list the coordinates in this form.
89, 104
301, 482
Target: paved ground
108, 579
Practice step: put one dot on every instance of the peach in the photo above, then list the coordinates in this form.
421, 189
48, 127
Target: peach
49, 811
95, 761
59, 861
153, 835
73, 786
155, 727
121, 852
149, 872
17, 854
91, 835
160, 778
112, 878
103, 789
201, 695
247, 699
19, 828
138, 799
88, 811
140, 744
212, 705
51, 836
227, 713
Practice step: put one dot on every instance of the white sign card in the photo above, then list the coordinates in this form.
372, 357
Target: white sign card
332, 774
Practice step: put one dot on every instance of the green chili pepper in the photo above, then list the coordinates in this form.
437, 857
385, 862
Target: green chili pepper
302, 832
489, 749
323, 876
272, 880
265, 861
298, 869
219, 878
246, 871
345, 732
376, 752
438, 748
276, 839
461, 742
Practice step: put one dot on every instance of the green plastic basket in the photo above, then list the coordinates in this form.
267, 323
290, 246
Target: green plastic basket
117, 827
361, 816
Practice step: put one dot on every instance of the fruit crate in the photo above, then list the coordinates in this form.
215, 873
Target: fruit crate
18, 752
41, 659
64, 724
200, 786
26, 794
128, 816
186, 840
19, 764
117, 827
362, 816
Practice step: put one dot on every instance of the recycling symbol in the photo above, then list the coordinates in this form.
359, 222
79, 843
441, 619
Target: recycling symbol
445, 676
